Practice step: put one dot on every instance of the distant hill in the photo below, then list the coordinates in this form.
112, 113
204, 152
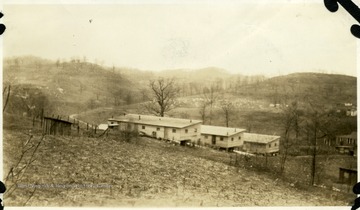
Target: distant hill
325, 89
69, 86
195, 74
190, 81
74, 86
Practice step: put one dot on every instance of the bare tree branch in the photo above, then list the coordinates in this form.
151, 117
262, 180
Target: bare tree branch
163, 95
7, 97
228, 110
211, 96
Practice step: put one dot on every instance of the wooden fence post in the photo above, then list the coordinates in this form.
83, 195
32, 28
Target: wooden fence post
42, 117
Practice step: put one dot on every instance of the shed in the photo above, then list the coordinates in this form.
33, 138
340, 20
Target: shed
55, 126
348, 176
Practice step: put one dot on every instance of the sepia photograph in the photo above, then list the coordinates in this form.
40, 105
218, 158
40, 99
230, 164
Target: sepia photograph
178, 104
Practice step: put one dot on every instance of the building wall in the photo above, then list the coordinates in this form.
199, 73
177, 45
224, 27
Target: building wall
226, 142
343, 141
252, 147
192, 134
126, 126
113, 124
154, 131
271, 147
193, 131
54, 127
206, 139
237, 140
222, 141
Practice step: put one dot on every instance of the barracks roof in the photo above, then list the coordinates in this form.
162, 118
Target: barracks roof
219, 130
156, 121
259, 138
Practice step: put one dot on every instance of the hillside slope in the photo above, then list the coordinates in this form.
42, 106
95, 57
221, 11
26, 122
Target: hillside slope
328, 89
69, 86
254, 103
108, 171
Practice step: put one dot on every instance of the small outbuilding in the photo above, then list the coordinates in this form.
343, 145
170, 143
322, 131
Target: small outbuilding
56, 126
348, 176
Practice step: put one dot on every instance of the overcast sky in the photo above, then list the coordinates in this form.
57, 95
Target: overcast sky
247, 38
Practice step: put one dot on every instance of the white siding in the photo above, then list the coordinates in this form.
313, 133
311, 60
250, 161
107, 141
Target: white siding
237, 140
273, 146
193, 131
154, 131
226, 142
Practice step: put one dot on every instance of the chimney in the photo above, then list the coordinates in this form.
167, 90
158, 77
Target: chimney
190, 120
139, 117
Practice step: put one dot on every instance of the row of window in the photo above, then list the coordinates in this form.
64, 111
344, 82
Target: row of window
222, 138
275, 144
349, 140
173, 130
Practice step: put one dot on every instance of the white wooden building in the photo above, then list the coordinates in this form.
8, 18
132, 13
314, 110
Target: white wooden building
261, 144
174, 129
222, 137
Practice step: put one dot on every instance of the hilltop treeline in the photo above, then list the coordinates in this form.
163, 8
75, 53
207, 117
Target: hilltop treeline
71, 86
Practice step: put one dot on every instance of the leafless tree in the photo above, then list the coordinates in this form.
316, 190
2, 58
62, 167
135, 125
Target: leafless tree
203, 110
211, 96
290, 123
228, 110
316, 124
163, 94
28, 154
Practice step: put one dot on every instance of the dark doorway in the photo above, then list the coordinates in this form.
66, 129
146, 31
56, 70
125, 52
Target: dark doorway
213, 140
185, 142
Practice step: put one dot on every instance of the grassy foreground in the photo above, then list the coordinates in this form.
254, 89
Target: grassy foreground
108, 171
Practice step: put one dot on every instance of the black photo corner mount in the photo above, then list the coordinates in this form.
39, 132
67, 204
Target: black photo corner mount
2, 26
2, 190
356, 190
351, 8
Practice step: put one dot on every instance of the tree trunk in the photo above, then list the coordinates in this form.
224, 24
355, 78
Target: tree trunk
7, 98
313, 164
